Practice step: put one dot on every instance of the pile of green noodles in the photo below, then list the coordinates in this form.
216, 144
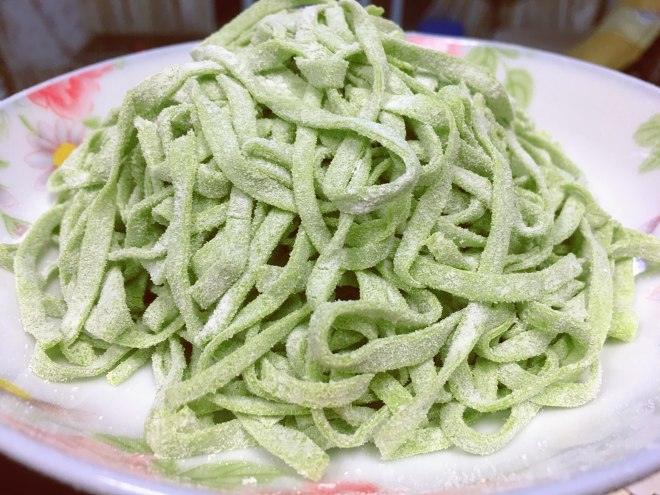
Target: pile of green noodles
322, 236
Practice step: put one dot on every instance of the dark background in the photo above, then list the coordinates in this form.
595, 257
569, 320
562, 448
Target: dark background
18, 479
75, 33
113, 41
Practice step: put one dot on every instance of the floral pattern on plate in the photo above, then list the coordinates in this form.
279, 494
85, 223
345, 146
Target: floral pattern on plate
54, 117
648, 136
51, 145
72, 97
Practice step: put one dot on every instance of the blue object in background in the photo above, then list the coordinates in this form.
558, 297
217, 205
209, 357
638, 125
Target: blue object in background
441, 26
395, 12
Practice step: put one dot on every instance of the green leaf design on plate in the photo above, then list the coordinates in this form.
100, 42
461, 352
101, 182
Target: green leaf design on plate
7, 253
166, 467
4, 124
648, 134
221, 475
520, 85
652, 161
131, 445
485, 56
15, 227
4, 164
518, 82
229, 474
508, 52
27, 124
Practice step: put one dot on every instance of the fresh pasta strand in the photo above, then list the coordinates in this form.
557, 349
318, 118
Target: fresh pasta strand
333, 238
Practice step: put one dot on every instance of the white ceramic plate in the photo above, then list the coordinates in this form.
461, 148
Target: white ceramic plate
594, 113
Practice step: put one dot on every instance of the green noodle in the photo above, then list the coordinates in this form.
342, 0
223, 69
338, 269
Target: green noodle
334, 238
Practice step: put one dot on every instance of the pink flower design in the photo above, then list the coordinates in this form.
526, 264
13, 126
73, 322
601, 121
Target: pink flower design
650, 226
73, 96
83, 447
19, 230
52, 146
655, 294
436, 43
15, 227
357, 487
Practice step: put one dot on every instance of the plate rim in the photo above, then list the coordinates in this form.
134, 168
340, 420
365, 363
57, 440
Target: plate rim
80, 473
559, 57
91, 476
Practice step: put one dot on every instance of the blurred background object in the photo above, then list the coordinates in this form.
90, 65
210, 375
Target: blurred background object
40, 39
43, 38
624, 35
